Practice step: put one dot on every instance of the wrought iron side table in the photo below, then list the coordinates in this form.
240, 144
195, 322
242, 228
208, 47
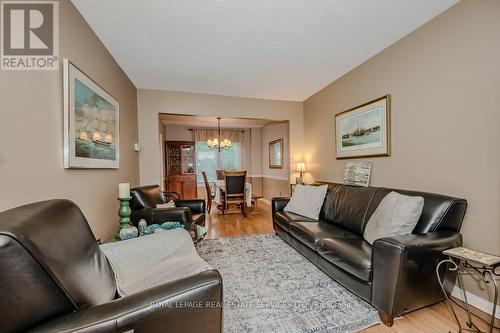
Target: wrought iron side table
470, 262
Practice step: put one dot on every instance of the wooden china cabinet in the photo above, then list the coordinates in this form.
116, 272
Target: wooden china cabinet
181, 168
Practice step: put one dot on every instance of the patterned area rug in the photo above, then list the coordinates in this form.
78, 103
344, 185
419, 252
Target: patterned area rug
270, 287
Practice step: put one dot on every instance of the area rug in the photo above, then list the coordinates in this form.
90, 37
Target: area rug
270, 287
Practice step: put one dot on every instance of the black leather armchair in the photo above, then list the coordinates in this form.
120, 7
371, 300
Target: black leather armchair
397, 274
56, 279
145, 199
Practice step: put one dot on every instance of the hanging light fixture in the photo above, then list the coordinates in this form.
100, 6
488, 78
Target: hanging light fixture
217, 143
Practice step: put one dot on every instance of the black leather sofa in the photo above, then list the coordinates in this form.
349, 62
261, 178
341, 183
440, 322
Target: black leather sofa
145, 199
397, 274
54, 278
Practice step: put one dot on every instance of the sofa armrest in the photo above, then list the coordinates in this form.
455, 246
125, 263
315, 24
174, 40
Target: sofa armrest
192, 304
160, 215
404, 277
197, 206
278, 203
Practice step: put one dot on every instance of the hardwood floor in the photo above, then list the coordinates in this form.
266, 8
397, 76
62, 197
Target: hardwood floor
257, 222
436, 318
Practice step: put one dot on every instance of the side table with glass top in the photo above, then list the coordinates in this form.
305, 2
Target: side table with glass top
465, 262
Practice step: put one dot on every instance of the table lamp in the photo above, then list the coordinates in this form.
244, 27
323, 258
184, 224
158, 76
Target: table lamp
301, 168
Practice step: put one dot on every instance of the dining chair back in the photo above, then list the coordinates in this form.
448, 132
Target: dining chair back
209, 191
234, 190
220, 174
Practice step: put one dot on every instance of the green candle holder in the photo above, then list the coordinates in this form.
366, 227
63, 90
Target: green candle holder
124, 212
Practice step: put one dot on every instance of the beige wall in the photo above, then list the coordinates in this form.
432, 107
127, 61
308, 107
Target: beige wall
271, 132
178, 133
444, 80
153, 102
275, 182
272, 187
31, 145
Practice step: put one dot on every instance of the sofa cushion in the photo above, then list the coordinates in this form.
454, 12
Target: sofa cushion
283, 219
440, 212
396, 215
310, 233
353, 255
307, 200
347, 207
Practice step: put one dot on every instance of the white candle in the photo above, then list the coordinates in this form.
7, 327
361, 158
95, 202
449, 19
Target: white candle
124, 190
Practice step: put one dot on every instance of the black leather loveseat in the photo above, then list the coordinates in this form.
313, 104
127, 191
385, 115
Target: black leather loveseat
54, 278
397, 274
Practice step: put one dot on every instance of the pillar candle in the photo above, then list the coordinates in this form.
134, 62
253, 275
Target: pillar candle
124, 190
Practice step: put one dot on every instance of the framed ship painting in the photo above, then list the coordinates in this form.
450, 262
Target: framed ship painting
364, 131
91, 123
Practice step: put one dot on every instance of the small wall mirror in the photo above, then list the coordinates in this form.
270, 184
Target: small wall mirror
276, 154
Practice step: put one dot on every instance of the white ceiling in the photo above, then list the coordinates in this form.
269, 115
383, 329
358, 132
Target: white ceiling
211, 122
277, 49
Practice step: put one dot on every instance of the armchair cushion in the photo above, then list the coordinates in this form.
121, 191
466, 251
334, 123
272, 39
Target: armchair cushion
152, 310
146, 197
160, 215
170, 204
170, 256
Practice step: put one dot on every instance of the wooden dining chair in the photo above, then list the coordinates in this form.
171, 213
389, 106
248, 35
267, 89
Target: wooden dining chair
234, 191
209, 191
220, 174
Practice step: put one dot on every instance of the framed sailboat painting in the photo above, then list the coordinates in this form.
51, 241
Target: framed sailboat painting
91, 123
365, 130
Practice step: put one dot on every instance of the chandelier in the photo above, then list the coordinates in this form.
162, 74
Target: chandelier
217, 143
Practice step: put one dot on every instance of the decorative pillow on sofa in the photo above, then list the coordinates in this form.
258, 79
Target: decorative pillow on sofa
307, 200
396, 214
170, 204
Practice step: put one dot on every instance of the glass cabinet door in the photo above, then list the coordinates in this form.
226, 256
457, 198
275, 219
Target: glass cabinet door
188, 159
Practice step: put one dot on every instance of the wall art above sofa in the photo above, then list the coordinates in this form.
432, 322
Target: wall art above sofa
364, 130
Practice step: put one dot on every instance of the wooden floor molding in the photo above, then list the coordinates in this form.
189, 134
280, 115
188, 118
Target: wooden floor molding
436, 318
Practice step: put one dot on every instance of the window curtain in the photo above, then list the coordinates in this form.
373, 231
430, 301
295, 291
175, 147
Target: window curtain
205, 134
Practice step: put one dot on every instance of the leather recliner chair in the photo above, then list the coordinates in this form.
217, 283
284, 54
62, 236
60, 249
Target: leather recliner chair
56, 279
145, 199
397, 274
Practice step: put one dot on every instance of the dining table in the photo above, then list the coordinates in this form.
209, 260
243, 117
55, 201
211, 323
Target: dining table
220, 184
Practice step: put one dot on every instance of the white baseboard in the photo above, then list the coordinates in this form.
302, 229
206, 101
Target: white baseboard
476, 301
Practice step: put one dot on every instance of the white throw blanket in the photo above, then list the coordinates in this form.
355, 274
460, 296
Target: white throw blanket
149, 261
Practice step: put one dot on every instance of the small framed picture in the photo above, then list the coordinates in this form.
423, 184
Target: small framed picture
276, 154
91, 123
364, 131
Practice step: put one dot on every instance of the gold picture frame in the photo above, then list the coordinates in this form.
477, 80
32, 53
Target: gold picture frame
276, 154
91, 122
365, 130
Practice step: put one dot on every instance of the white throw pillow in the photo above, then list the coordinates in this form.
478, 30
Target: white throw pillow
396, 214
307, 200
170, 204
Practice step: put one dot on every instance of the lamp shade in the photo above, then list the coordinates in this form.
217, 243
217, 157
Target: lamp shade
301, 167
